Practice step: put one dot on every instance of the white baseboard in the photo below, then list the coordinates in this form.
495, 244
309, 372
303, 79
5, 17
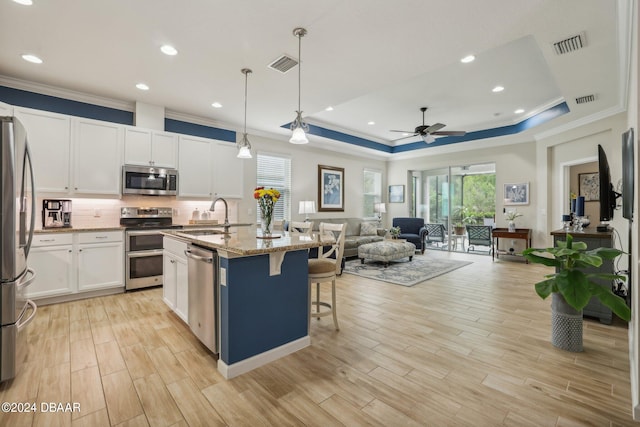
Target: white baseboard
239, 368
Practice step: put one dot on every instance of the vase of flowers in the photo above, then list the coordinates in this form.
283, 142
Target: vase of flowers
511, 216
267, 198
395, 232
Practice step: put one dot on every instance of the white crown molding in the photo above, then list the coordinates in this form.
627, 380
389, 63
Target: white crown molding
580, 122
66, 94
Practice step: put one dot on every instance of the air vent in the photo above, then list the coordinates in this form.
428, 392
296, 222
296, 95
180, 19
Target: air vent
570, 44
283, 64
585, 99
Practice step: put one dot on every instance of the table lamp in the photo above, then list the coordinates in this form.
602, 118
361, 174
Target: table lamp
307, 207
379, 208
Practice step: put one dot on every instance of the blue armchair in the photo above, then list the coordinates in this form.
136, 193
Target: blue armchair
413, 230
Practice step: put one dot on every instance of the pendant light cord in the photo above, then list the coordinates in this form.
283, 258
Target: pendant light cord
246, 78
299, 69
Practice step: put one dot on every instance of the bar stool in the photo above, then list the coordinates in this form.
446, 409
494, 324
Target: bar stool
300, 227
325, 268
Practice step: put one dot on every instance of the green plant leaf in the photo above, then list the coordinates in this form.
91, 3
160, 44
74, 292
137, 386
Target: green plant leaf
606, 253
544, 288
587, 259
538, 259
574, 286
614, 302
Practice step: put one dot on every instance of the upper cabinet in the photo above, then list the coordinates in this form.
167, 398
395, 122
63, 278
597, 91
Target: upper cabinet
150, 148
194, 167
228, 171
97, 156
49, 140
6, 109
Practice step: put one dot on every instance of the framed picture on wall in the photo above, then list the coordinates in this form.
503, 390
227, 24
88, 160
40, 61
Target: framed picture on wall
330, 189
516, 194
396, 194
589, 186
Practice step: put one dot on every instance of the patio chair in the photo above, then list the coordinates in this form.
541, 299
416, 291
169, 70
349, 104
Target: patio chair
479, 235
436, 233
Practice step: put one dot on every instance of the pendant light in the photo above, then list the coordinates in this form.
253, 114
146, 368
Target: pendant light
244, 146
299, 127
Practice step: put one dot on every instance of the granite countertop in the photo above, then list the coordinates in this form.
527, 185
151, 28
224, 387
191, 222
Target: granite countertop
77, 229
246, 241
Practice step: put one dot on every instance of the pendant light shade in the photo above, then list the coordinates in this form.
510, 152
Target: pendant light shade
299, 127
244, 146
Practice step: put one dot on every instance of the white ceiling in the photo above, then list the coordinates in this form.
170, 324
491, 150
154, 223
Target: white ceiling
371, 60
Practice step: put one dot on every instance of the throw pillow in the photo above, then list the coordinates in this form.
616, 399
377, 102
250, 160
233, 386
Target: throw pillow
368, 229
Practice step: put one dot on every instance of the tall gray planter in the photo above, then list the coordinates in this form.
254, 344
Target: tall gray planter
566, 324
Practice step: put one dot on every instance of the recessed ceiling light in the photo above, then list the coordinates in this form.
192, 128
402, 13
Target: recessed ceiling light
519, 111
169, 50
497, 89
371, 122
142, 86
216, 105
24, 2
329, 108
32, 58
467, 59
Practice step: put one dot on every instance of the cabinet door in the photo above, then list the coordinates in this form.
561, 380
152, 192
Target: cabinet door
97, 157
182, 289
49, 140
54, 269
169, 278
227, 171
100, 266
194, 159
137, 146
164, 149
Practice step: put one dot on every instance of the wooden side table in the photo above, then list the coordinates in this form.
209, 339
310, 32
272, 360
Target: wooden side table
519, 234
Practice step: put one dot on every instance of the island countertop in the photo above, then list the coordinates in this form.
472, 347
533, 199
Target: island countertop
248, 241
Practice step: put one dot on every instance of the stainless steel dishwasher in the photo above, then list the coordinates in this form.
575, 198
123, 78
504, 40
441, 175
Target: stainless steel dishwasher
203, 295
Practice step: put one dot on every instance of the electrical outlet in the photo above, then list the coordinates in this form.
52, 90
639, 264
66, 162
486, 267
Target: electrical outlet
96, 213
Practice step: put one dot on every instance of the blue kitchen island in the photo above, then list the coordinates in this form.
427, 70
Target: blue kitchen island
263, 295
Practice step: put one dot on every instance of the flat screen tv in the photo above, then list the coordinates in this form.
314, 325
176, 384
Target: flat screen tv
607, 194
627, 174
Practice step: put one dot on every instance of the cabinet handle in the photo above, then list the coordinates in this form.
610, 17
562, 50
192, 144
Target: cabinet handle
66, 188
79, 250
173, 261
47, 240
102, 237
75, 188
70, 251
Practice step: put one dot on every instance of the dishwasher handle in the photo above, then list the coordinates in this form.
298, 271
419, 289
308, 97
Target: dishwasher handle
198, 257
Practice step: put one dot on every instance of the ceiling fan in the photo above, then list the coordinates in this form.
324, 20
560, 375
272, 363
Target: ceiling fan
427, 131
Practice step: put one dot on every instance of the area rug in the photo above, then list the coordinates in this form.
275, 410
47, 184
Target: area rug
404, 272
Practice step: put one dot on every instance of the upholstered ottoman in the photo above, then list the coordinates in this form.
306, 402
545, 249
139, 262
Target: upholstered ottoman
385, 251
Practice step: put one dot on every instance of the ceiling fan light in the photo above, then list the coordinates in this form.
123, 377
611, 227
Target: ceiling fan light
428, 138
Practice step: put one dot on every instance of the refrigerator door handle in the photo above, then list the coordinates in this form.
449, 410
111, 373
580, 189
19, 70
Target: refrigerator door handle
22, 324
33, 200
28, 281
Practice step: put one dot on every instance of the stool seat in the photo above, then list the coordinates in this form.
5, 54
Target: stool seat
319, 266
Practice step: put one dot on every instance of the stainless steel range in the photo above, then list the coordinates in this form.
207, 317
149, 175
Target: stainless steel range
143, 245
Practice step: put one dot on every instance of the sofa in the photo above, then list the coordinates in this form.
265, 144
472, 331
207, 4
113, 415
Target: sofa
413, 230
356, 233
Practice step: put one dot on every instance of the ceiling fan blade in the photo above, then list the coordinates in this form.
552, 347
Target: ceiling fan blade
450, 133
404, 137
434, 128
403, 131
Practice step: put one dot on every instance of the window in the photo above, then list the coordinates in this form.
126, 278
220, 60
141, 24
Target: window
274, 171
372, 191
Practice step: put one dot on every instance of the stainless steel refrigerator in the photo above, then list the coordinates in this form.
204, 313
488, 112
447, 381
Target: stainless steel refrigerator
17, 221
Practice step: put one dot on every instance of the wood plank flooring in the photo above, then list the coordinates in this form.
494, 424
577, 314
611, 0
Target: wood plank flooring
469, 348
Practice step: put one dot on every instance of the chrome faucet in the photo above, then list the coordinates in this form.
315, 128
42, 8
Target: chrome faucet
226, 212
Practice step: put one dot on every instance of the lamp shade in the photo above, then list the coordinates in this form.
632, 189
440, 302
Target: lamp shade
298, 136
244, 153
380, 208
307, 207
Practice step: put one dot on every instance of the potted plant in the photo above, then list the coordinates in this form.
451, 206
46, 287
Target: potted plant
395, 232
462, 215
571, 288
511, 217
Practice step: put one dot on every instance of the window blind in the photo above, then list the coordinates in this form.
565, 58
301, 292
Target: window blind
275, 172
372, 191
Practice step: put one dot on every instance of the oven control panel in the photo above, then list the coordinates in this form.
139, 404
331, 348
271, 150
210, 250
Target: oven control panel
133, 212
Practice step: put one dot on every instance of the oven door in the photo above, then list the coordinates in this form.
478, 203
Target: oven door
145, 240
143, 269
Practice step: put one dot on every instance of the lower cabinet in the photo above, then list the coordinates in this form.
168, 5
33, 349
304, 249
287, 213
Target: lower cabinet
175, 285
72, 263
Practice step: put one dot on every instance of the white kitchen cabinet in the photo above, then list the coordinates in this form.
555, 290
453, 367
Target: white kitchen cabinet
97, 150
73, 263
147, 147
175, 285
194, 170
227, 171
49, 140
6, 109
100, 260
51, 257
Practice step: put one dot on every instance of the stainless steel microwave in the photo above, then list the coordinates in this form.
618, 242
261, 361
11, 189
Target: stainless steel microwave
149, 180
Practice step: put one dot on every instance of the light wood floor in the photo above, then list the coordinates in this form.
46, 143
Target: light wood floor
468, 348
